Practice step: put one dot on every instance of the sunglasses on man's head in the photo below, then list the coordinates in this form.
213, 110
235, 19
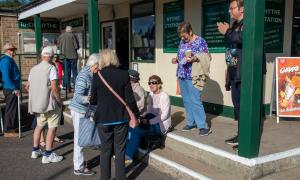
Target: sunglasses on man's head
152, 82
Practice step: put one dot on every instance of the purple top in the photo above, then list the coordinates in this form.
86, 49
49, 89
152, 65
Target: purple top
184, 68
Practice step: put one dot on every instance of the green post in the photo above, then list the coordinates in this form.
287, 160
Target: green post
38, 32
93, 18
251, 86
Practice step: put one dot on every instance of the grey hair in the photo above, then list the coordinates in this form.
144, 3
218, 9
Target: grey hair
93, 59
69, 29
108, 57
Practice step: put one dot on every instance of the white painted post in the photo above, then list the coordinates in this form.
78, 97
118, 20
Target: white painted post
19, 116
1, 119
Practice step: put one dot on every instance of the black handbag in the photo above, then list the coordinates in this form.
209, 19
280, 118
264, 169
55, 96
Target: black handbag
147, 117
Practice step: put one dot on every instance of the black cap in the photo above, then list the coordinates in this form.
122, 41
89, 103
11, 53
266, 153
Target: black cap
133, 74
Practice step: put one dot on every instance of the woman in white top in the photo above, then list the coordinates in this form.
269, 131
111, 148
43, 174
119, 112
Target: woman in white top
156, 120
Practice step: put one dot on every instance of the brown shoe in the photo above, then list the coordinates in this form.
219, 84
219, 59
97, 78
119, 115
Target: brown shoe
11, 134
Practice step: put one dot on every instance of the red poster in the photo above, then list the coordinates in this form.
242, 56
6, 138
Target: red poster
288, 86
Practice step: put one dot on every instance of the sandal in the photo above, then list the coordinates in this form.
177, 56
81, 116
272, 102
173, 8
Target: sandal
56, 139
42, 144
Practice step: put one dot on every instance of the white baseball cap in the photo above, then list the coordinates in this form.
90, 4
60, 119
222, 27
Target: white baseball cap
47, 51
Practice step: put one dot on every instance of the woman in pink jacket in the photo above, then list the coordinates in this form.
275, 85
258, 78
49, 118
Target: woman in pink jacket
155, 121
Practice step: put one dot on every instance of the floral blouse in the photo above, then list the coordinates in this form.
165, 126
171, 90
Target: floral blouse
184, 68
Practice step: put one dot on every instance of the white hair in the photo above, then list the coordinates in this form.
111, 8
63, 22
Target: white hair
69, 29
93, 59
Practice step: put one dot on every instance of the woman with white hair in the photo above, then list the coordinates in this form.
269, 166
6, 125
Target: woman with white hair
79, 106
111, 115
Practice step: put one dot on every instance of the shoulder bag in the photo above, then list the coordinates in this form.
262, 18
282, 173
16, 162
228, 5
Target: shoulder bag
88, 132
133, 120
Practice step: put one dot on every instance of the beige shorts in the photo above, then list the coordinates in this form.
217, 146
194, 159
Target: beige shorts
51, 117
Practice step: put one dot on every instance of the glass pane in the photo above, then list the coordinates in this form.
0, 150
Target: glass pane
50, 39
79, 36
29, 43
142, 9
141, 53
143, 31
87, 41
296, 29
107, 37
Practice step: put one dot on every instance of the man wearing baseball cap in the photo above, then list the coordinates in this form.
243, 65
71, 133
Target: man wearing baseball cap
45, 102
11, 89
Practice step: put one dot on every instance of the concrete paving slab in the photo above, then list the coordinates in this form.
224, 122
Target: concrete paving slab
275, 138
290, 174
15, 161
196, 165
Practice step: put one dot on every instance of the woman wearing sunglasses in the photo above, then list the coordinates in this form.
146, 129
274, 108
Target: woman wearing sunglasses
157, 116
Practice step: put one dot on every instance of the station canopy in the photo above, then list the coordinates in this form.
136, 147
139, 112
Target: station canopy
63, 8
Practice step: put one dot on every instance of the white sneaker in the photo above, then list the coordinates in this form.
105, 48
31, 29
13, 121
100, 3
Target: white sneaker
36, 154
52, 158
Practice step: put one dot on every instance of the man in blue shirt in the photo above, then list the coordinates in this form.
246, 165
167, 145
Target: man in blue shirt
11, 90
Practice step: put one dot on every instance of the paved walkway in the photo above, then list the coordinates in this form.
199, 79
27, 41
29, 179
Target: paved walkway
275, 138
15, 161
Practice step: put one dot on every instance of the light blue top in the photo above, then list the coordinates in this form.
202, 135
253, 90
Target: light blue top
82, 88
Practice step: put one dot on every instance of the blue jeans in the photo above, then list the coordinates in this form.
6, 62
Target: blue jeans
71, 65
193, 105
134, 137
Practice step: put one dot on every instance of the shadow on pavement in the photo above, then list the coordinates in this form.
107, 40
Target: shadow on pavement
56, 175
68, 152
69, 136
137, 170
177, 118
63, 145
94, 162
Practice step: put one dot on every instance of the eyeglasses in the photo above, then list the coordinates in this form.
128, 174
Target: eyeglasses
152, 82
232, 8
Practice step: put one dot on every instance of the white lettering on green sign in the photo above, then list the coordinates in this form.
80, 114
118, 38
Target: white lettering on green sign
273, 19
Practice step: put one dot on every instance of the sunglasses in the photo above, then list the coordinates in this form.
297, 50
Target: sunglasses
152, 82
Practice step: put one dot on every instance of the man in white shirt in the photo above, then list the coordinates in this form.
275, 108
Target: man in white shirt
45, 103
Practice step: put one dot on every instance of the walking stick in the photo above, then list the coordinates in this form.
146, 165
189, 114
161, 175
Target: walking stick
19, 116
1, 118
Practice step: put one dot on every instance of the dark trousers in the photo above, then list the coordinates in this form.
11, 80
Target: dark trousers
71, 65
11, 110
235, 97
113, 137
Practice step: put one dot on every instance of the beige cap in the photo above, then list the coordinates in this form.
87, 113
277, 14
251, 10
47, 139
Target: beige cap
9, 46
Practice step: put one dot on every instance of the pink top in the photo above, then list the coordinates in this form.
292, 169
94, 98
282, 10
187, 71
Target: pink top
159, 105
